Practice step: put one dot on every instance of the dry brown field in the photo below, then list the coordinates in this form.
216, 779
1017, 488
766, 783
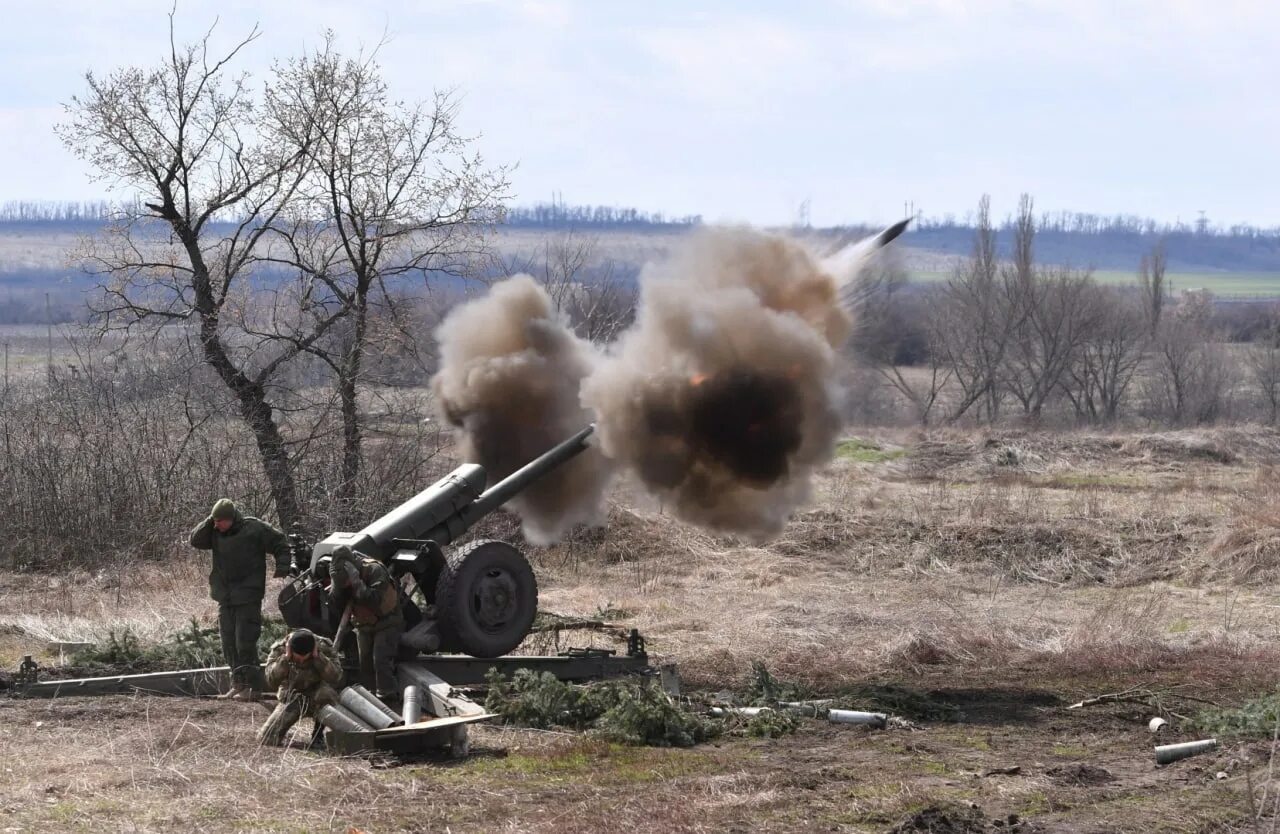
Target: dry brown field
973, 584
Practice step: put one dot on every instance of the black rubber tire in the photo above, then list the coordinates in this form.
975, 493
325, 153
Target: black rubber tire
486, 599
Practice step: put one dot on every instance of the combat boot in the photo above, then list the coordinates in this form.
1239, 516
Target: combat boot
246, 694
231, 693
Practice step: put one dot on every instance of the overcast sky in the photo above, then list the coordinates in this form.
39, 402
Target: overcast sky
741, 111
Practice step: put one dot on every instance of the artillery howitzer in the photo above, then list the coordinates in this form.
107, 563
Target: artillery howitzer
478, 600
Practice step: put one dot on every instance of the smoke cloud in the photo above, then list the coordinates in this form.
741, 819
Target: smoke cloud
509, 378
722, 397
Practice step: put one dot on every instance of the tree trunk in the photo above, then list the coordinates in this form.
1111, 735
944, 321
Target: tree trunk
252, 398
256, 412
347, 391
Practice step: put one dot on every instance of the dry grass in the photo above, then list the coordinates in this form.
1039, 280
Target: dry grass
1103, 561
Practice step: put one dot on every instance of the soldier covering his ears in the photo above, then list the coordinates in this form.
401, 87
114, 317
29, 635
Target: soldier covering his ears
306, 670
237, 581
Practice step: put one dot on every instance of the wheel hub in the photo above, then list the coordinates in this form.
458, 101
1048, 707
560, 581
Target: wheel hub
494, 600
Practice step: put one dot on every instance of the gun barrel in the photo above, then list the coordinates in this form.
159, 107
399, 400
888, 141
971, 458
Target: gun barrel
428, 508
506, 489
448, 508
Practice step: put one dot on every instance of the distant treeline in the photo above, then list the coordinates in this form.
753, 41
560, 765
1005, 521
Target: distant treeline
1084, 223
557, 215
1080, 239
56, 211
1116, 242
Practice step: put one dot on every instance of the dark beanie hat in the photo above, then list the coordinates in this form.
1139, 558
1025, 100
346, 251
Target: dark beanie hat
225, 508
302, 641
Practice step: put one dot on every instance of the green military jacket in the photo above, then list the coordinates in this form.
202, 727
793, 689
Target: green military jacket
375, 602
239, 573
288, 678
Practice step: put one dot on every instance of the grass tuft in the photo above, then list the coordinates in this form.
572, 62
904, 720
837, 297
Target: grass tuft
866, 451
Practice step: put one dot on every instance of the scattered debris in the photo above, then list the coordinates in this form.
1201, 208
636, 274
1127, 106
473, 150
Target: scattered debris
814, 709
1135, 694
1012, 770
1154, 698
749, 712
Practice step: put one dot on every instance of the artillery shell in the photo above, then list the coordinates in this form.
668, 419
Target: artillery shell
851, 716
412, 705
1167, 753
337, 717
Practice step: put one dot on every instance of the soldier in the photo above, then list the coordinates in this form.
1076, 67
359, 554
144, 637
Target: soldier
237, 581
366, 584
305, 669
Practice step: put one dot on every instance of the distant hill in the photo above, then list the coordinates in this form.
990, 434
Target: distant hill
36, 240
1187, 251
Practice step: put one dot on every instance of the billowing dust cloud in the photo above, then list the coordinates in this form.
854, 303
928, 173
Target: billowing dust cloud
722, 397
509, 377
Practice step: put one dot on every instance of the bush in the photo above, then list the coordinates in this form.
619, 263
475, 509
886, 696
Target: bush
1258, 718
645, 715
619, 711
771, 723
194, 647
764, 690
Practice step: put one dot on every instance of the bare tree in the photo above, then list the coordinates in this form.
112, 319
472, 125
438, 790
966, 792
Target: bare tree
1151, 282
1058, 317
392, 192
1052, 315
1103, 369
1190, 376
599, 302
183, 136
893, 330
974, 320
1263, 364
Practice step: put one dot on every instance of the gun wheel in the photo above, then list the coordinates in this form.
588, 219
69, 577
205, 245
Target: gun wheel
486, 597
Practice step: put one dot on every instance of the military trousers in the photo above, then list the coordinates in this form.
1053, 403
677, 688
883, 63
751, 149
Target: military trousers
379, 646
292, 706
240, 626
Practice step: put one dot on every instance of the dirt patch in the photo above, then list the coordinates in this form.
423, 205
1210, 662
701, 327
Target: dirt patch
951, 820
1082, 775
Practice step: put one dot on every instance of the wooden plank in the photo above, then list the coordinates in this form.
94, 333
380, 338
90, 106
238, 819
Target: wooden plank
434, 724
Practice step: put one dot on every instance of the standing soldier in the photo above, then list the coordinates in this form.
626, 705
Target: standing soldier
366, 585
305, 669
237, 581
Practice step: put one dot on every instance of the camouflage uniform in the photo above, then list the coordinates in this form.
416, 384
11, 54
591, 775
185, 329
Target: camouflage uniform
375, 615
302, 688
237, 580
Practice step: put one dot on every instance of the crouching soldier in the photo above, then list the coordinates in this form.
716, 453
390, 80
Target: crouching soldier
366, 585
305, 669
